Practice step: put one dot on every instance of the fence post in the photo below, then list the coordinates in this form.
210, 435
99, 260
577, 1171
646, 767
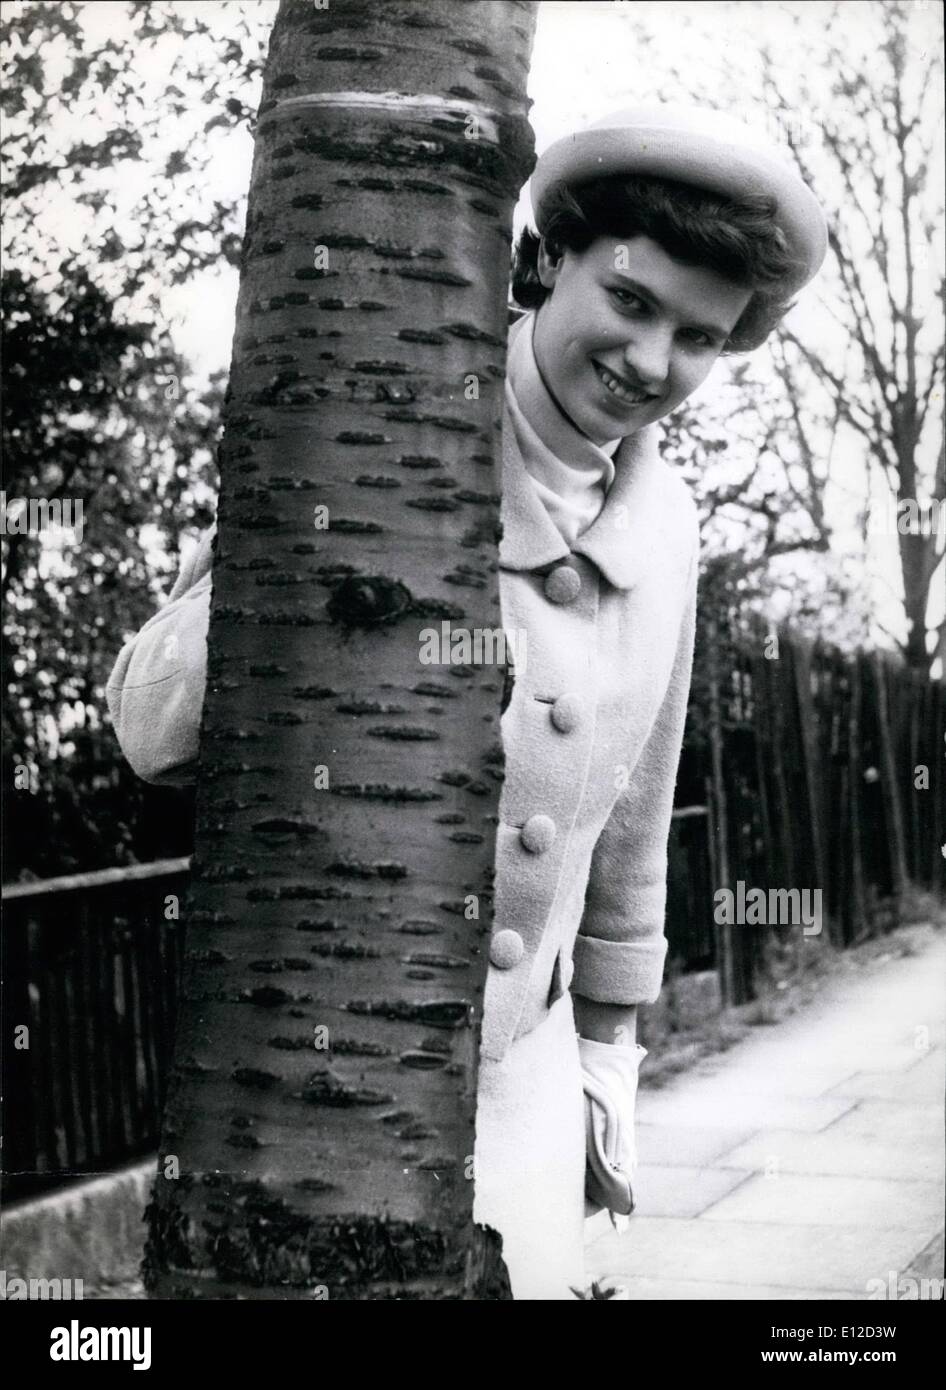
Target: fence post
858, 898
723, 932
888, 779
806, 728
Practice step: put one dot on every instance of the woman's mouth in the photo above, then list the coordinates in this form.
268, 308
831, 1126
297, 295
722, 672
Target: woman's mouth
619, 388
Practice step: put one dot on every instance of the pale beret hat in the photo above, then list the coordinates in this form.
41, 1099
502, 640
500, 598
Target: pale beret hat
694, 145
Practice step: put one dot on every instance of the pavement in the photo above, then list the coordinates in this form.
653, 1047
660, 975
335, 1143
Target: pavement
807, 1161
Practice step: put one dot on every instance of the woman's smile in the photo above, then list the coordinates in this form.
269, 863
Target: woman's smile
619, 388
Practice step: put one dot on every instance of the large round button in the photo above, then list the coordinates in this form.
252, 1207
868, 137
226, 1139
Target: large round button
566, 713
506, 949
562, 585
537, 834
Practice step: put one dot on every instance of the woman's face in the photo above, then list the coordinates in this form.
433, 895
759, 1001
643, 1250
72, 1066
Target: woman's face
627, 333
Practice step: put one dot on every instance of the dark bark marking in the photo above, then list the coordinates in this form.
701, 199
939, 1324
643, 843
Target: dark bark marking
325, 1089
464, 581
432, 688
266, 997
433, 504
349, 55
358, 868
355, 1047
435, 277
420, 335
369, 707
361, 437
378, 791
282, 826
379, 480
380, 367
292, 892
437, 959
443, 422
368, 601
469, 333
441, 1013
404, 733
283, 619
345, 950
419, 461
255, 1079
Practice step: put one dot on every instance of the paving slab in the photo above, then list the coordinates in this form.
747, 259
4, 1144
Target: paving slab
688, 1145
757, 1254
678, 1191
740, 1109
921, 1081
819, 1199
891, 1121
845, 1154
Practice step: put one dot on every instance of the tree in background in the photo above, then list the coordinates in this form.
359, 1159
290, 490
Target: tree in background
85, 419
98, 407
319, 1125
879, 176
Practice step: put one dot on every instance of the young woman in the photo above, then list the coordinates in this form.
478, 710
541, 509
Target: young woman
664, 238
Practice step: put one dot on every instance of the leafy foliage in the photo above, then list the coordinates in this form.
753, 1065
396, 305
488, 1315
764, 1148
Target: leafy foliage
86, 418
107, 159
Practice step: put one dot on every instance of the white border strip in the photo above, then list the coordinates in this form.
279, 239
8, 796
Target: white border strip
485, 117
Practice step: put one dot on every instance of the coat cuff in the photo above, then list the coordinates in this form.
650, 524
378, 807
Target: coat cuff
618, 972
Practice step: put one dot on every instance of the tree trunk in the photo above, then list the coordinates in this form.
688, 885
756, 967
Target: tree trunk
321, 1104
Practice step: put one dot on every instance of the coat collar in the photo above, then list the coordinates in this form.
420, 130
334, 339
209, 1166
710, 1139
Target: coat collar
633, 527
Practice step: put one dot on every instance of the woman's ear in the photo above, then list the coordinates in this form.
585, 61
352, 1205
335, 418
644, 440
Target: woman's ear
548, 263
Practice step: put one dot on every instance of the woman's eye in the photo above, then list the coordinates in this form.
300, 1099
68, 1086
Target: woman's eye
626, 297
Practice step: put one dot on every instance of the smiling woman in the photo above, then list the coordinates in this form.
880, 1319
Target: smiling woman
619, 350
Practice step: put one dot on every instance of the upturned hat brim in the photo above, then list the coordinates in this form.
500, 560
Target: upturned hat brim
681, 144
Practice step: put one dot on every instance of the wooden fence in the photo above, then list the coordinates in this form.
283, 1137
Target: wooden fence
822, 770
90, 968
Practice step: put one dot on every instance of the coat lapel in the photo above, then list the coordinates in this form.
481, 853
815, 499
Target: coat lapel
634, 527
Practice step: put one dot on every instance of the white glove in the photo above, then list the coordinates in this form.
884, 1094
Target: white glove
609, 1075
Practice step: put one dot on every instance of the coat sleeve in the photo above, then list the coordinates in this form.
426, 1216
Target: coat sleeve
155, 692
620, 948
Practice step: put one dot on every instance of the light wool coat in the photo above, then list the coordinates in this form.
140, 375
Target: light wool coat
592, 737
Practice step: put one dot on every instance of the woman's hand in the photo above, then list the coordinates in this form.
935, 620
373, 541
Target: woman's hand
609, 1076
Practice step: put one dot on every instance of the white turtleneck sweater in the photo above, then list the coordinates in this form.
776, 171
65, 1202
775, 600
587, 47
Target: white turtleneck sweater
570, 473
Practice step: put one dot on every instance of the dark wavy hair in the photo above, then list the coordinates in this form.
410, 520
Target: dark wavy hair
736, 237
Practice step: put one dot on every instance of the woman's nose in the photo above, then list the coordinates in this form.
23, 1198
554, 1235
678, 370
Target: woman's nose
648, 359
